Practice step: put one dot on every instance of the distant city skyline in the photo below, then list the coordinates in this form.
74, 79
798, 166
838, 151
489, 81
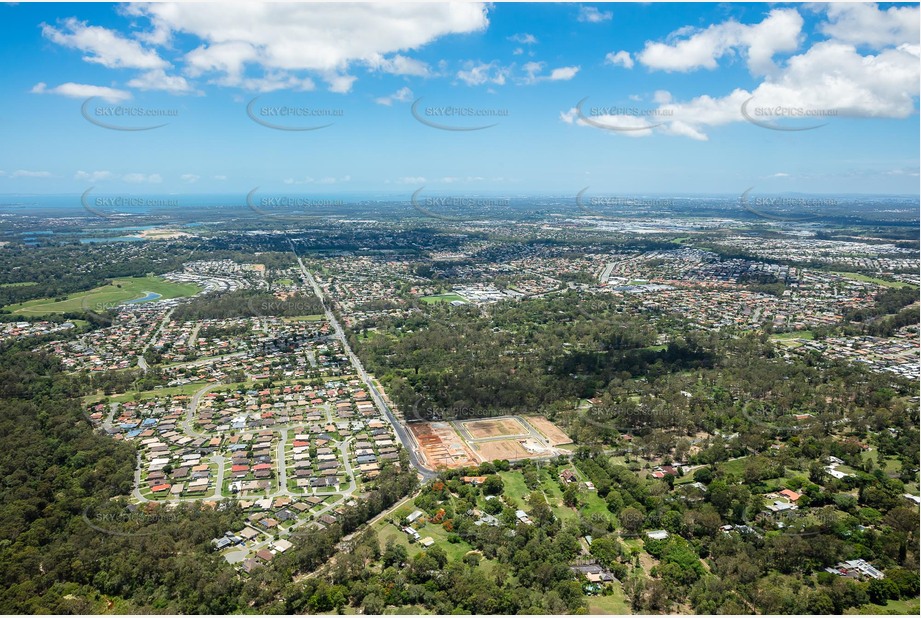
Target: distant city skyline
471, 98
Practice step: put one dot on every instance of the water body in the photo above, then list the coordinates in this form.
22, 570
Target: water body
149, 297
87, 241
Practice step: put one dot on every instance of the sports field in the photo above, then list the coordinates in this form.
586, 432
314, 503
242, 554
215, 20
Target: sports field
442, 298
107, 296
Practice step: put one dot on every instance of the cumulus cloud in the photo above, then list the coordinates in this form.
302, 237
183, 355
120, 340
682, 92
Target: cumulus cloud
190, 178
96, 176
692, 49
159, 80
523, 38
476, 74
138, 178
83, 91
621, 58
865, 24
103, 46
399, 65
326, 39
592, 15
402, 95
832, 78
533, 72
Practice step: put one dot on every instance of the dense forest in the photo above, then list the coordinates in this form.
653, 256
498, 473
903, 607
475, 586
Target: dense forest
247, 304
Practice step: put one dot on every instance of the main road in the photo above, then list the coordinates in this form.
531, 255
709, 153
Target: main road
382, 406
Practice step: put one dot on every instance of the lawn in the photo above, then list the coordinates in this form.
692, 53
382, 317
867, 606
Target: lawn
107, 296
612, 604
305, 318
876, 280
908, 607
442, 298
515, 488
798, 334
185, 389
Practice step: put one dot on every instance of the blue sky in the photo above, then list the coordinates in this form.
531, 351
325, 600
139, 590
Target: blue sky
677, 98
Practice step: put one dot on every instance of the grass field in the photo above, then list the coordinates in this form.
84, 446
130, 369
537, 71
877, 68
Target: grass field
305, 318
442, 298
107, 296
799, 334
185, 389
515, 488
908, 607
612, 604
867, 279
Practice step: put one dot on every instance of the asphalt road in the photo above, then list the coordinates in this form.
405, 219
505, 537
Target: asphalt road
398, 428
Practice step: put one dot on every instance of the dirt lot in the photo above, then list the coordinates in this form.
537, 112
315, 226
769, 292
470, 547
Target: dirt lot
494, 428
441, 446
550, 431
501, 449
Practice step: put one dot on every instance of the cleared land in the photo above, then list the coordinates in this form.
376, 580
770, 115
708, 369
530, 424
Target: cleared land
494, 428
554, 434
501, 449
107, 296
442, 446
467, 443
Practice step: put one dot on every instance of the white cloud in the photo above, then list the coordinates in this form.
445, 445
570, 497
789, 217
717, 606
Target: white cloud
778, 32
219, 177
103, 46
399, 65
30, 174
829, 80
620, 58
238, 39
159, 80
866, 24
592, 15
533, 70
309, 180
780, 175
662, 96
403, 95
484, 73
411, 180
83, 91
138, 178
190, 178
96, 176
523, 39
563, 73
